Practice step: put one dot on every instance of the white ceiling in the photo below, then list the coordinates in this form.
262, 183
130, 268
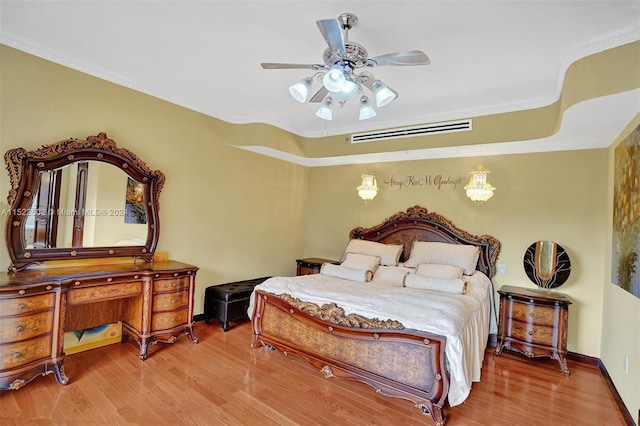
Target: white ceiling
486, 56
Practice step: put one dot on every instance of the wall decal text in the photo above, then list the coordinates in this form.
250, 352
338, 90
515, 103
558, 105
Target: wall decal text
428, 180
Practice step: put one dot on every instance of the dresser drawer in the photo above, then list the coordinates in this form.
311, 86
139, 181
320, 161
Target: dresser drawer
16, 354
167, 320
532, 333
536, 314
170, 301
24, 305
170, 284
25, 327
103, 292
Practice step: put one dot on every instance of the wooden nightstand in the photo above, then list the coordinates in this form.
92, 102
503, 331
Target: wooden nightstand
534, 323
311, 265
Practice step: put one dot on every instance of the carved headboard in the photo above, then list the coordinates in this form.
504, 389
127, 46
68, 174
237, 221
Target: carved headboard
417, 224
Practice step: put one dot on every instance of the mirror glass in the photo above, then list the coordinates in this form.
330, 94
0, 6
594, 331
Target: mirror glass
86, 204
81, 199
547, 264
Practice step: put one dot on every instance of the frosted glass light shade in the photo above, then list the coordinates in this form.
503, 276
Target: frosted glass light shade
326, 109
300, 90
334, 79
348, 92
366, 110
384, 95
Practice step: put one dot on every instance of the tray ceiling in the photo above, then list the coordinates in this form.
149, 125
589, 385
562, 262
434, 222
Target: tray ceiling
487, 57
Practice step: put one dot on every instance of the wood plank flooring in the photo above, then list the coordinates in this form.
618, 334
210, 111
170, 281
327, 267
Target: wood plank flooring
222, 381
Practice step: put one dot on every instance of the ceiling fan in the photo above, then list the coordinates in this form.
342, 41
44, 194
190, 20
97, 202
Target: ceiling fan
345, 70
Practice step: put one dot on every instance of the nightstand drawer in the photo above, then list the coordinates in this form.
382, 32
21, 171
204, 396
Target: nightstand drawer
536, 314
531, 333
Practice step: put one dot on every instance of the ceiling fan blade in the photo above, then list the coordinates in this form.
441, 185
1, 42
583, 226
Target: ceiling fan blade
409, 57
319, 95
330, 29
279, 66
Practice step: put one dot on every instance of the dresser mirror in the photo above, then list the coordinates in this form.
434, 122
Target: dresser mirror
547, 264
80, 199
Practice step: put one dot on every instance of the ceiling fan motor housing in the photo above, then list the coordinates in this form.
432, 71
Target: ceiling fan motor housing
354, 54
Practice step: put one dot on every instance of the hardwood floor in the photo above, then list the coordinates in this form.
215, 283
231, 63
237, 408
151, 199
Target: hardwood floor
222, 381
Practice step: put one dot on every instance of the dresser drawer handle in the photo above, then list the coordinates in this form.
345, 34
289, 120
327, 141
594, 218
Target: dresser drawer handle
173, 319
20, 329
21, 306
531, 314
17, 355
174, 284
530, 333
174, 301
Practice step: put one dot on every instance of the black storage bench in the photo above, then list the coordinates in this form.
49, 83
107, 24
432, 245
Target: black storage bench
229, 302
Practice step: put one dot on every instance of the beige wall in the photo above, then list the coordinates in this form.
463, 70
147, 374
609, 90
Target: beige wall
621, 314
233, 214
549, 196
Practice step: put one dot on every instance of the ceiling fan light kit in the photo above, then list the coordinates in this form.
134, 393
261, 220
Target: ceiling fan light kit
340, 82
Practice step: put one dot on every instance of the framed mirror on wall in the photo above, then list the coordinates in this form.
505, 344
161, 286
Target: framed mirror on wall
547, 264
81, 199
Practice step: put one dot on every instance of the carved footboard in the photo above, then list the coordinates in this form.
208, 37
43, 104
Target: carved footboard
396, 362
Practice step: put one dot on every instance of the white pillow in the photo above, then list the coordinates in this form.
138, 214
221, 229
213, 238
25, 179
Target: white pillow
435, 270
346, 273
391, 274
389, 254
361, 261
462, 255
443, 285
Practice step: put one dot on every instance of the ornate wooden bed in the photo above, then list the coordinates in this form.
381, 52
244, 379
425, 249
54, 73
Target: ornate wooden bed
396, 362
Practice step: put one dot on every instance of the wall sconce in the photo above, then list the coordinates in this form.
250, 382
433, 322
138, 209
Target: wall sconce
478, 189
369, 188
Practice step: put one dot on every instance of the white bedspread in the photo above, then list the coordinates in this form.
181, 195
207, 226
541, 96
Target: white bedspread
466, 320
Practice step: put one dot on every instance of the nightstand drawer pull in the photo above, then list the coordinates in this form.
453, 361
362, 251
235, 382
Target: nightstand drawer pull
20, 329
17, 355
21, 306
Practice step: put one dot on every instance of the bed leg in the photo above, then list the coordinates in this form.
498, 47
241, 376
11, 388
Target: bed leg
435, 412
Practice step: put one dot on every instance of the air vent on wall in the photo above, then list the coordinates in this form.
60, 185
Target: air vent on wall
406, 132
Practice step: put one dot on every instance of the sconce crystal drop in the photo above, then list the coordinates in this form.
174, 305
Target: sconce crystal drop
478, 189
369, 188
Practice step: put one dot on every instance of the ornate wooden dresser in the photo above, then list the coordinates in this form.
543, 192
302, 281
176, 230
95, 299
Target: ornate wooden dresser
72, 201
534, 323
154, 301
